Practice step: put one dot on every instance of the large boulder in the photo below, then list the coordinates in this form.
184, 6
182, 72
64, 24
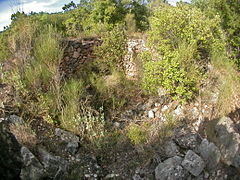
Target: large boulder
228, 141
170, 169
10, 156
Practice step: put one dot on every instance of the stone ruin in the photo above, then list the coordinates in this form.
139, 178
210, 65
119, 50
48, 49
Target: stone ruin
80, 51
76, 53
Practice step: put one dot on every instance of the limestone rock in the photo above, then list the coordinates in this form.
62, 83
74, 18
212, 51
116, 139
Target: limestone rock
15, 119
70, 139
187, 140
76, 54
171, 149
228, 141
55, 166
170, 169
210, 153
193, 163
151, 114
32, 169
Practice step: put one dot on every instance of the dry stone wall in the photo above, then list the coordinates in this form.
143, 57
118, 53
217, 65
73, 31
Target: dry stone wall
76, 53
80, 51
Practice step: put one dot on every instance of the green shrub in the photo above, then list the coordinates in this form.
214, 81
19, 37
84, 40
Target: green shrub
130, 23
170, 26
87, 123
229, 12
47, 55
110, 54
177, 74
21, 38
182, 39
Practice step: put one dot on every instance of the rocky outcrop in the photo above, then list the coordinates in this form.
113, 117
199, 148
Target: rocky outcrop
228, 141
210, 153
32, 168
193, 163
19, 162
10, 156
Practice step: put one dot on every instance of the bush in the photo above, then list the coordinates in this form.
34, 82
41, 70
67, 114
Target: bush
176, 73
114, 90
171, 26
130, 23
229, 12
47, 55
182, 39
111, 53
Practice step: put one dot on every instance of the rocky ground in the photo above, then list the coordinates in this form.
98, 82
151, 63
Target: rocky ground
200, 147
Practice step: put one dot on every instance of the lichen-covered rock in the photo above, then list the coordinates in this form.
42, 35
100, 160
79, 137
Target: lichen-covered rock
171, 149
15, 119
228, 141
170, 169
32, 169
71, 140
193, 163
210, 153
55, 166
187, 140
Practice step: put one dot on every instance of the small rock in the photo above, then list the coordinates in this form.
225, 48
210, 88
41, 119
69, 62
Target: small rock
193, 163
178, 111
170, 169
14, 119
165, 107
151, 114
187, 140
162, 92
206, 175
71, 140
116, 124
210, 153
195, 113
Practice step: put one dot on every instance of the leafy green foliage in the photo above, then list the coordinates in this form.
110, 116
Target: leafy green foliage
176, 73
229, 11
182, 39
111, 53
170, 26
69, 6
